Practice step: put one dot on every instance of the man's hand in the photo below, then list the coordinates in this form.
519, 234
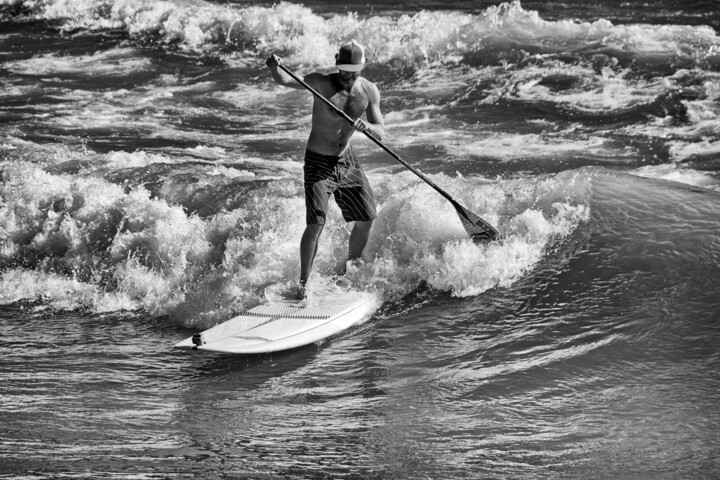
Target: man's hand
273, 61
360, 125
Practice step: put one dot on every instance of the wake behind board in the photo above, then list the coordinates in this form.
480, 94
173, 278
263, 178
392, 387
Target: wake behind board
277, 326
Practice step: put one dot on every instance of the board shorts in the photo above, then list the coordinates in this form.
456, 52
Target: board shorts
341, 176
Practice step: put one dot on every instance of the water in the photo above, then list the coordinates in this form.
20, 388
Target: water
150, 186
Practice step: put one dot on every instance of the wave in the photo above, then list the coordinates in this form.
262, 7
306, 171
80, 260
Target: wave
501, 33
201, 241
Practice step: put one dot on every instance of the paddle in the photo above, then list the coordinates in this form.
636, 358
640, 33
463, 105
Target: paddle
478, 229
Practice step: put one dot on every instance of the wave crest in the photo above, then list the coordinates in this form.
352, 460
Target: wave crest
505, 32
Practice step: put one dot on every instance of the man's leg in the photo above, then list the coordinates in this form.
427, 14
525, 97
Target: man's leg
308, 250
359, 238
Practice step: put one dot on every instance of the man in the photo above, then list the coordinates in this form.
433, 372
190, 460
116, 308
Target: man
330, 166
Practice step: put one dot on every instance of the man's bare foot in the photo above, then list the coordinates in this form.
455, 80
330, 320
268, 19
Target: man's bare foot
342, 268
299, 292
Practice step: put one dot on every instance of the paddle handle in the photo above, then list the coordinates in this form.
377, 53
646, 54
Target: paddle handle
372, 137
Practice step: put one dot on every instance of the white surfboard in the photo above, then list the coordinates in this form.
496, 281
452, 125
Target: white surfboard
276, 326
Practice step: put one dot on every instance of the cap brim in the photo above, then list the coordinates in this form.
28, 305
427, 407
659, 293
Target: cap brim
351, 67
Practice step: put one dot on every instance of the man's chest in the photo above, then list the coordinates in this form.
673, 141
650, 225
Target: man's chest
353, 102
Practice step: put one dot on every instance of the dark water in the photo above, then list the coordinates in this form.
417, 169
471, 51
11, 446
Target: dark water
150, 185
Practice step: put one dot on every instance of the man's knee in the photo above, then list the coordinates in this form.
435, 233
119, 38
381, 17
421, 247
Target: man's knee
364, 225
314, 229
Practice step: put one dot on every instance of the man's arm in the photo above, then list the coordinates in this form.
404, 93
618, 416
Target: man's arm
375, 123
280, 77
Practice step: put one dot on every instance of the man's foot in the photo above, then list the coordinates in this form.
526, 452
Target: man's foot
342, 268
301, 293
285, 292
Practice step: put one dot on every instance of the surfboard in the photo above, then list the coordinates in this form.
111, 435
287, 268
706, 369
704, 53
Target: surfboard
277, 326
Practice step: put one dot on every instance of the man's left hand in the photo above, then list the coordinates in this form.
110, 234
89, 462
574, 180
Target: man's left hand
360, 125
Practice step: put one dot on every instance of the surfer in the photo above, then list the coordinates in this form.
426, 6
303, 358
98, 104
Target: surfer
330, 165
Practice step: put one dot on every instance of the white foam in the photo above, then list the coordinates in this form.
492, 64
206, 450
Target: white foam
116, 61
686, 150
57, 291
507, 146
680, 174
588, 91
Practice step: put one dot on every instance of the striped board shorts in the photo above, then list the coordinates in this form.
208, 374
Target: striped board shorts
342, 177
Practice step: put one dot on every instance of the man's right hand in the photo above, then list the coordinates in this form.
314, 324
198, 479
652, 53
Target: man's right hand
273, 61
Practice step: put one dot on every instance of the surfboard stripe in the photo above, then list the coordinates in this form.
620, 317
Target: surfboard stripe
293, 311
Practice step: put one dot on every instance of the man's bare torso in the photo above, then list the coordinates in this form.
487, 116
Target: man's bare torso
330, 132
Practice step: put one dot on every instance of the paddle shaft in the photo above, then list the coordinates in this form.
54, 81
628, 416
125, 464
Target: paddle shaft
371, 137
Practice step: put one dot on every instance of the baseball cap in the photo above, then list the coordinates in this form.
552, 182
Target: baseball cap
351, 57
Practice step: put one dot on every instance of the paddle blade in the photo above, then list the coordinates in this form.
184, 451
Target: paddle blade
478, 229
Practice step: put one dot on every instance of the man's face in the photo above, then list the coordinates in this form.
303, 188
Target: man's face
348, 78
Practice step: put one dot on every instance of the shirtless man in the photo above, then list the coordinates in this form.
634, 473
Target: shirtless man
330, 166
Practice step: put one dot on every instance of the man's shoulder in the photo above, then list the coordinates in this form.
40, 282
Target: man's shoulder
369, 87
367, 83
318, 77
320, 81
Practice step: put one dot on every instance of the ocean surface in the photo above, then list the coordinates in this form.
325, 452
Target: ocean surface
150, 186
